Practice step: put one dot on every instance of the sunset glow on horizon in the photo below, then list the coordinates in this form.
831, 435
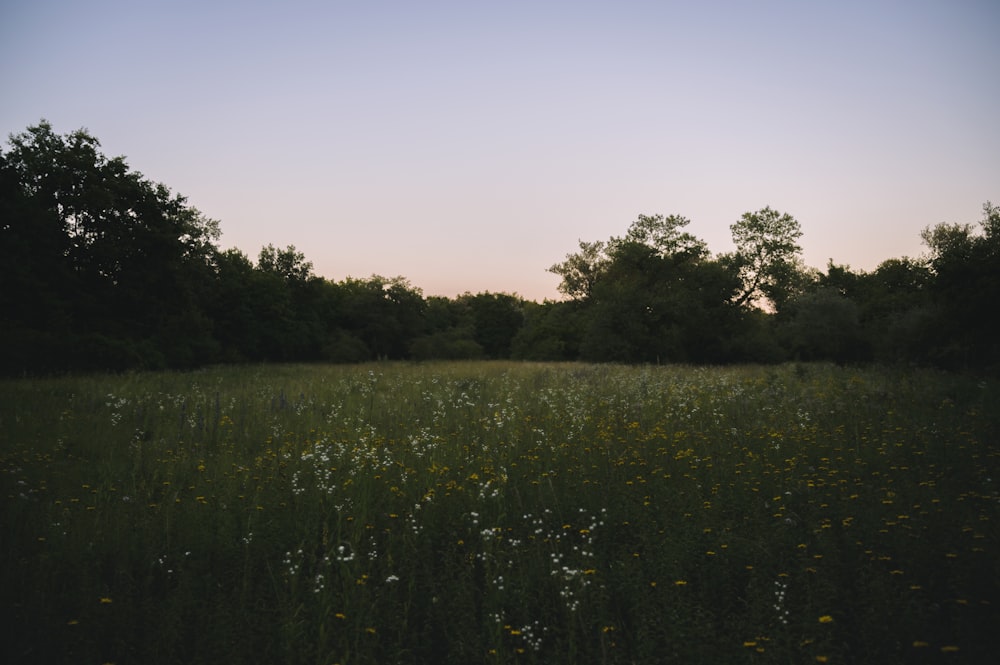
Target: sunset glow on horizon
469, 146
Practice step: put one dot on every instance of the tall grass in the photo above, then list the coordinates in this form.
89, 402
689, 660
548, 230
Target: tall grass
498, 513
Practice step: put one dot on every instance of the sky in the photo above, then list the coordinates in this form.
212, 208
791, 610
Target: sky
468, 146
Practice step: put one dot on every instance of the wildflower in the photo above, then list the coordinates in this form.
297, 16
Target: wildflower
826, 618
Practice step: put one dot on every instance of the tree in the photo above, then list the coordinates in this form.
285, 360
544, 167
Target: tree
663, 234
385, 314
235, 307
581, 270
496, 319
551, 331
288, 264
36, 297
120, 262
651, 295
766, 257
660, 233
897, 309
449, 332
650, 307
965, 262
824, 324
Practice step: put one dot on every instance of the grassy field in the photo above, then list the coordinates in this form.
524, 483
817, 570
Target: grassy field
501, 513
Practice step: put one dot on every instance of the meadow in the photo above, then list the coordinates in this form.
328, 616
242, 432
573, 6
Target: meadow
501, 513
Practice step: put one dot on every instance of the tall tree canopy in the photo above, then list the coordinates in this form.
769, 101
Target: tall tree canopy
767, 256
101, 268
580, 270
117, 260
966, 289
651, 295
661, 234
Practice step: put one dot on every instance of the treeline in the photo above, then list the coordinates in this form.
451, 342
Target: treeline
103, 269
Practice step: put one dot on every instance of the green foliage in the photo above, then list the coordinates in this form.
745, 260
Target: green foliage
491, 512
551, 331
966, 286
656, 308
664, 235
496, 318
766, 256
824, 325
385, 314
94, 251
654, 295
661, 234
580, 271
103, 269
288, 264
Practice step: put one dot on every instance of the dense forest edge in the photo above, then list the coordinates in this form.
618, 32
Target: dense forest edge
105, 270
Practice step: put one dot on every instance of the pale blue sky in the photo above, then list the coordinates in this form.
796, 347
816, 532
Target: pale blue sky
467, 146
